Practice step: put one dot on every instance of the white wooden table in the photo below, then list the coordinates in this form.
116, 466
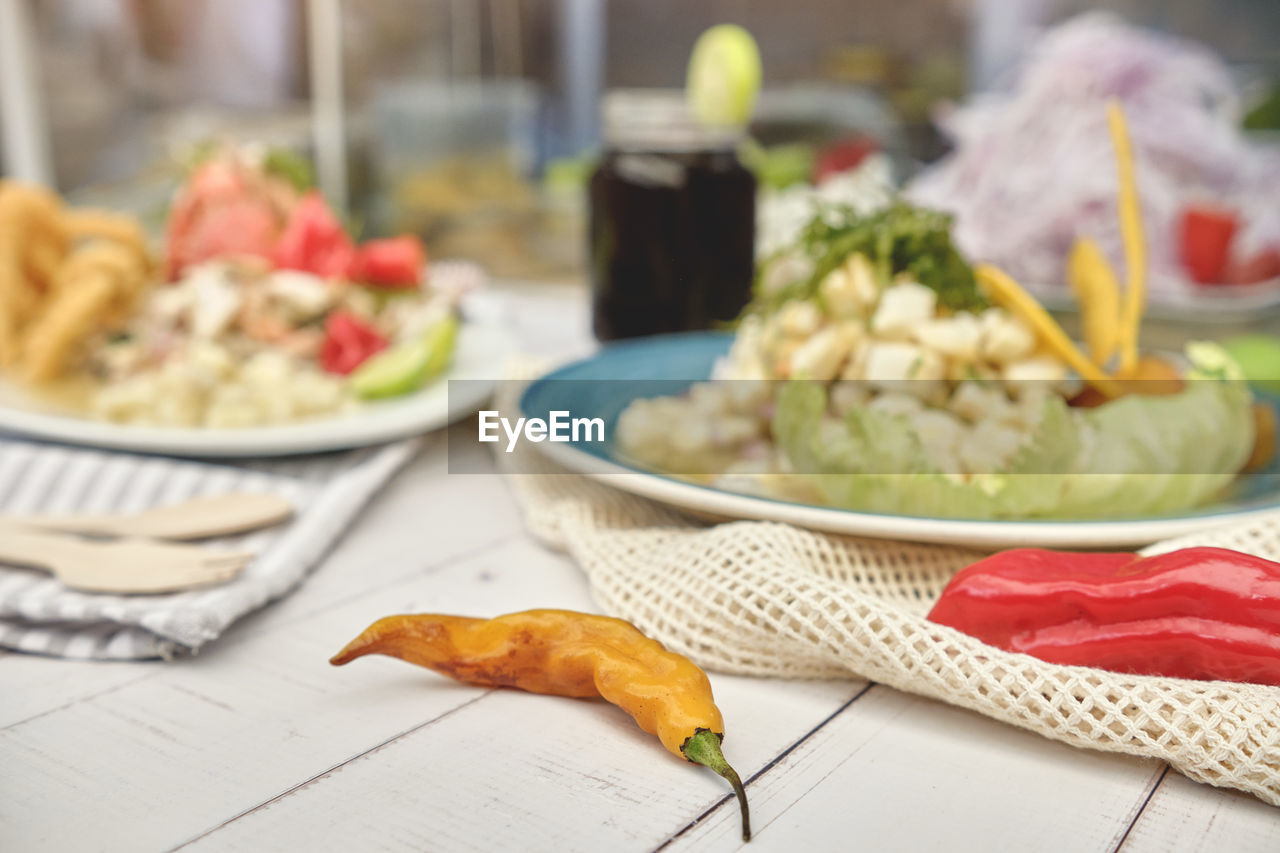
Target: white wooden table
258, 744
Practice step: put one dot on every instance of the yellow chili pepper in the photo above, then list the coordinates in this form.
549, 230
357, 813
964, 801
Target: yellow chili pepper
1135, 249
1008, 294
565, 653
1098, 293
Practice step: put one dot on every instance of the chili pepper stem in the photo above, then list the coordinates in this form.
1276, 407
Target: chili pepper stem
704, 748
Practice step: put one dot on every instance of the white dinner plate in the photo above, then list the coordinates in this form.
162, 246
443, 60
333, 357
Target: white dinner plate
1224, 304
604, 384
721, 505
484, 341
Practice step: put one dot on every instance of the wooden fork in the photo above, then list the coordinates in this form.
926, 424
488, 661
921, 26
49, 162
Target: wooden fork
120, 565
197, 518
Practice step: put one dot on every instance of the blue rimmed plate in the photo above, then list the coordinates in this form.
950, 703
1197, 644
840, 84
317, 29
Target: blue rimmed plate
663, 364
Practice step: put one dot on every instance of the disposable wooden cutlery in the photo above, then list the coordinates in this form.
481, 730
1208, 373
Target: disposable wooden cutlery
198, 518
119, 565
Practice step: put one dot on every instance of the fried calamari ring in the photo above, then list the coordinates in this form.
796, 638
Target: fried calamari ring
65, 274
52, 338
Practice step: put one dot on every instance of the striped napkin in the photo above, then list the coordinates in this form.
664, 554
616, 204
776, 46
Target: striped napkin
37, 614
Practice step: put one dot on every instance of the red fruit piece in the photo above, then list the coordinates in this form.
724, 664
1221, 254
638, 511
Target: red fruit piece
393, 262
1204, 239
348, 343
221, 211
314, 240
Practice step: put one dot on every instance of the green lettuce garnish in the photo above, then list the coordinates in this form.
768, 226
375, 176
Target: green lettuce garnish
1133, 456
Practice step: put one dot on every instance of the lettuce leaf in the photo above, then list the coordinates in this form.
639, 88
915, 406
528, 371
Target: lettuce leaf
1134, 456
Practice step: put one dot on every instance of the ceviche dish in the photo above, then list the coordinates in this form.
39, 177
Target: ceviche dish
261, 308
877, 369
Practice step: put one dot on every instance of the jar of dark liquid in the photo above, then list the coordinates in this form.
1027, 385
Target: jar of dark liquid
672, 220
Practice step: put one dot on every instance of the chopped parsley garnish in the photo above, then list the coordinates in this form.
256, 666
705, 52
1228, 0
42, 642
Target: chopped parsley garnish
899, 239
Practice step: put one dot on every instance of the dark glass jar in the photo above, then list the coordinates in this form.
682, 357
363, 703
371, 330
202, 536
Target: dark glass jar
672, 220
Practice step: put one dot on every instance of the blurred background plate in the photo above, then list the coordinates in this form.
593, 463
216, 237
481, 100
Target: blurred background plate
484, 341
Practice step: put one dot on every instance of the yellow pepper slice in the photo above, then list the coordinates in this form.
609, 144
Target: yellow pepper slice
1135, 249
1008, 294
1098, 293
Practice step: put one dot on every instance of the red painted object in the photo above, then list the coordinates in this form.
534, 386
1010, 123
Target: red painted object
1201, 613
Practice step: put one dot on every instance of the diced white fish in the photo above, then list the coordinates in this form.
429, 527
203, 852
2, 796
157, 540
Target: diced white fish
1040, 369
799, 319
902, 307
822, 355
303, 296
1004, 337
216, 300
896, 361
956, 337
850, 289
976, 401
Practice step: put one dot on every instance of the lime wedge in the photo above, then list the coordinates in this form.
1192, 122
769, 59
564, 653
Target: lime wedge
724, 76
407, 366
1259, 359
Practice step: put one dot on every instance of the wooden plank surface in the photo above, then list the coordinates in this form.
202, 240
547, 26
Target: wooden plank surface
1188, 817
514, 771
245, 720
259, 744
897, 772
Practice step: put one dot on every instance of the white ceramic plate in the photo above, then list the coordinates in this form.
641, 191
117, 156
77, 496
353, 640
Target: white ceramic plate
589, 388
483, 342
721, 505
1227, 304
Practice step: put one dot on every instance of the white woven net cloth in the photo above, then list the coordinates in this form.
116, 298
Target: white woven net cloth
766, 599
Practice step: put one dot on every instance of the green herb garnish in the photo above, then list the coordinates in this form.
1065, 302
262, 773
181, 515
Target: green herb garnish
899, 239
